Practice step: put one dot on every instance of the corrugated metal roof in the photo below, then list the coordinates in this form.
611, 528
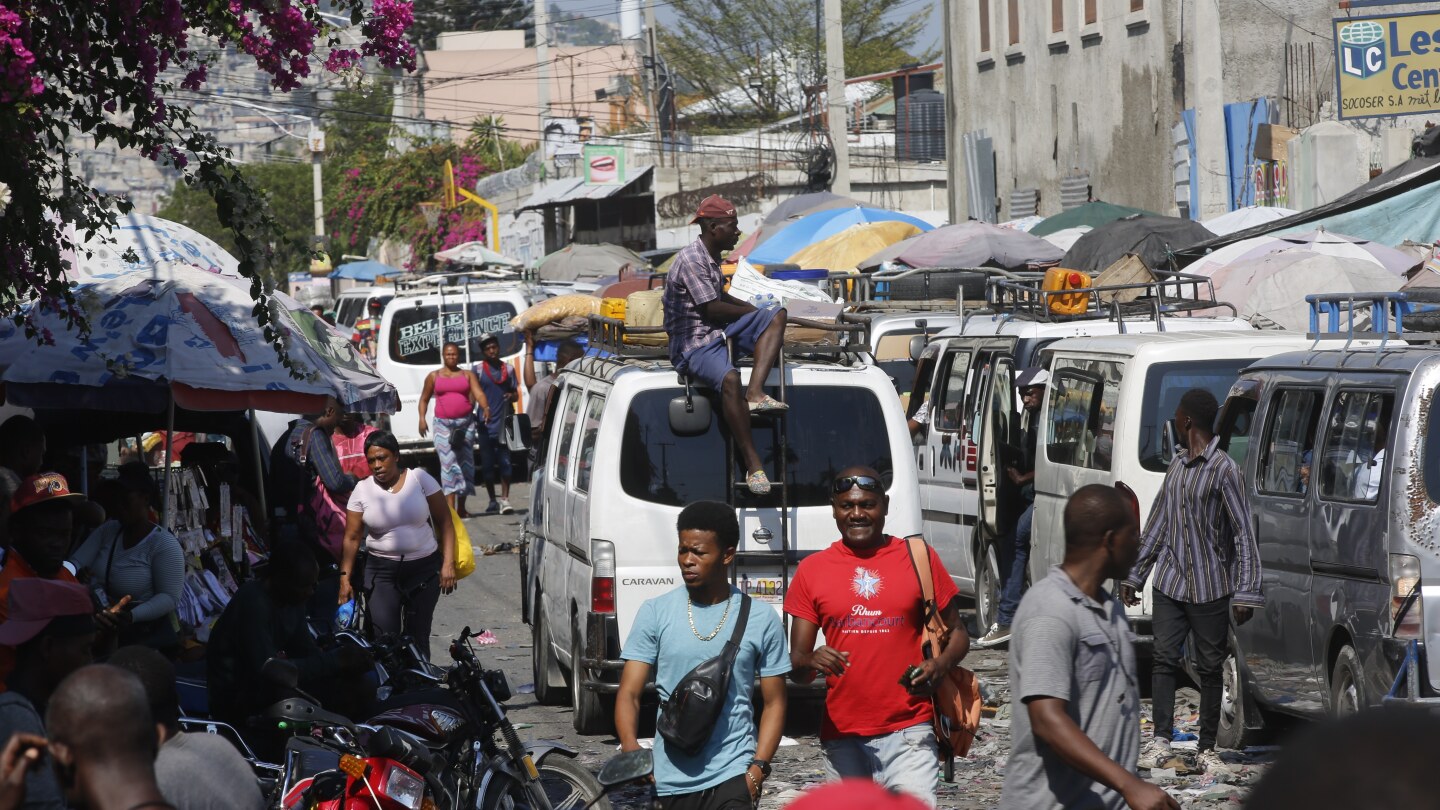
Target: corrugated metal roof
574, 189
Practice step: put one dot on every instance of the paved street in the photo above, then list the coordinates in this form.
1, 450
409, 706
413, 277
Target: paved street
490, 598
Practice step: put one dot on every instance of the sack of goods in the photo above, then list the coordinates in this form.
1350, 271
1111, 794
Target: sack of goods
557, 309
646, 309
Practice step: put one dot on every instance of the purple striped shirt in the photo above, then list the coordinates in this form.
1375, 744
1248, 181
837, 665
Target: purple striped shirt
694, 280
1198, 539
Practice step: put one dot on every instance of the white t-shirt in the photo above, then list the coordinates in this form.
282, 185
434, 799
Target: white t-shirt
398, 523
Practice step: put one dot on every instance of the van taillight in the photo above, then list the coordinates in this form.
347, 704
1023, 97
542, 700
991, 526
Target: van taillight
1404, 581
972, 454
602, 576
1130, 498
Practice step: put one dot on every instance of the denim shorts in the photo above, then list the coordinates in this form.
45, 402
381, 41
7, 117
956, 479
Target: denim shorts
710, 363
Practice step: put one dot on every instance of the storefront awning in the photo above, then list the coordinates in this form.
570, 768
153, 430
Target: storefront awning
574, 189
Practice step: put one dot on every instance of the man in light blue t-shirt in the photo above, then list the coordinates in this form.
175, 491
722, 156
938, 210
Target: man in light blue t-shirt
677, 631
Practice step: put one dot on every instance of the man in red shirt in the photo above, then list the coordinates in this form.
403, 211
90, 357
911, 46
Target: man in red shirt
42, 514
863, 592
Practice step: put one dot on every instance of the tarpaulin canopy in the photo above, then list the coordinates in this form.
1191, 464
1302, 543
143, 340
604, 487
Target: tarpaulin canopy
1151, 237
1272, 288
368, 270
141, 242
970, 244
845, 250
1248, 217
183, 333
812, 228
1318, 241
577, 262
476, 254
1090, 215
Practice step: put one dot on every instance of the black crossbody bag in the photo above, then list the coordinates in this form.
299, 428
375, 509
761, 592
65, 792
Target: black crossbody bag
687, 718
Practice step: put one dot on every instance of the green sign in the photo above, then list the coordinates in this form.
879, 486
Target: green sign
604, 165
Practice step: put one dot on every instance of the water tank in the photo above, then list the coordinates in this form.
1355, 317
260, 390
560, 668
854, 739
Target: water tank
920, 125
630, 25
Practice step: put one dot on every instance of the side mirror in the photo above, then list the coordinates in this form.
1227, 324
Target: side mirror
917, 347
282, 672
690, 415
627, 767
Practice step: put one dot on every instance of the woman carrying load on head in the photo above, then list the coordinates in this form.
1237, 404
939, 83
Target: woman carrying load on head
457, 392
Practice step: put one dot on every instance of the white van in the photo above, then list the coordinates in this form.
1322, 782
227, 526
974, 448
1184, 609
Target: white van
628, 449
1107, 417
422, 318
357, 304
965, 378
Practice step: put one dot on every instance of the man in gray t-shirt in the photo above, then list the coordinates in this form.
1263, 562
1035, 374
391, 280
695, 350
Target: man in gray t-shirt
1072, 666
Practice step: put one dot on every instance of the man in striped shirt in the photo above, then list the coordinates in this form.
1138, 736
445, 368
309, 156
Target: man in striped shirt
1206, 568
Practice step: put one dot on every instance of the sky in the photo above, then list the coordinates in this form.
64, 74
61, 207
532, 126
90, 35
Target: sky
929, 39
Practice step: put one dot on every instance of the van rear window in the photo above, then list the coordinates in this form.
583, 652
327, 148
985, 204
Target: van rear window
830, 428
415, 337
1165, 383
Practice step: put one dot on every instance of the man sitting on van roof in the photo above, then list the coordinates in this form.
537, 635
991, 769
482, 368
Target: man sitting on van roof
699, 318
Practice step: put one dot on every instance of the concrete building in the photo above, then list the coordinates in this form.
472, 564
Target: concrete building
1142, 102
476, 74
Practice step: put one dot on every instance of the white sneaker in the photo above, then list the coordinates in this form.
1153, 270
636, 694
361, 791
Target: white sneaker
505, 507
1211, 762
1155, 754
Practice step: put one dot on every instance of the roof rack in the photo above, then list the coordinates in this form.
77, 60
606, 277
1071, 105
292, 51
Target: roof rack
1378, 316
920, 289
1166, 294
847, 336
429, 282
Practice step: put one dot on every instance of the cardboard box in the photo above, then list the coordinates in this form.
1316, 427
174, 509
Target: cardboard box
1271, 141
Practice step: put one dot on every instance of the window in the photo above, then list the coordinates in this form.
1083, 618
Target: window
984, 26
415, 334
1289, 445
567, 432
585, 458
1137, 5
1014, 21
949, 414
348, 311
1237, 416
830, 428
1083, 398
1165, 383
1057, 16
1092, 16
1352, 462
892, 355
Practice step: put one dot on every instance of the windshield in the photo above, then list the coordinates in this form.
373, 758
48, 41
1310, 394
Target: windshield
415, 332
1165, 383
830, 427
892, 355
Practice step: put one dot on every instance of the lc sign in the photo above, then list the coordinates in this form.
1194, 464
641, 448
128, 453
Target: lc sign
1387, 65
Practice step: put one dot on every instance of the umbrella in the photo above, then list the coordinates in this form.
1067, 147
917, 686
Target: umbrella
812, 228
1273, 287
154, 242
575, 262
970, 244
1152, 237
476, 253
368, 270
1243, 218
1091, 214
802, 204
187, 336
1065, 239
1317, 241
845, 250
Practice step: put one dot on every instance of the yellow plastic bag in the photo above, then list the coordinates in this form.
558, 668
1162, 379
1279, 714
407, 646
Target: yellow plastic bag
464, 552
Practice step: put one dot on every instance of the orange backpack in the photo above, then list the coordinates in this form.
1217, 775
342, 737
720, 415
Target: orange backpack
957, 696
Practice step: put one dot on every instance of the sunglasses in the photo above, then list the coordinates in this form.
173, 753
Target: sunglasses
849, 482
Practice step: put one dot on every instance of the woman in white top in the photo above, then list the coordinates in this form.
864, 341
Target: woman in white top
402, 513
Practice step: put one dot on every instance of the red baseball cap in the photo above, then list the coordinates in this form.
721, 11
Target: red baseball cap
42, 488
35, 602
714, 207
855, 794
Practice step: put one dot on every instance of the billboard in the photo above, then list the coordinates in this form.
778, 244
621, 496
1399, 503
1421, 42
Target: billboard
605, 165
1387, 65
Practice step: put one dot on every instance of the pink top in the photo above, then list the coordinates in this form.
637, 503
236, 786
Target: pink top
452, 400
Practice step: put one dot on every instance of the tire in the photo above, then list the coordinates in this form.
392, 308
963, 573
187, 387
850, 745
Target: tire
988, 585
1232, 733
942, 285
1345, 681
549, 678
592, 714
567, 785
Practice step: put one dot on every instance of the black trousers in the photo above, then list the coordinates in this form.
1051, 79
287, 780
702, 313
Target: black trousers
732, 794
1207, 626
400, 596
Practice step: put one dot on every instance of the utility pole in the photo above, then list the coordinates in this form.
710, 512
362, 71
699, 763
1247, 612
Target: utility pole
835, 95
542, 59
1210, 140
316, 139
651, 71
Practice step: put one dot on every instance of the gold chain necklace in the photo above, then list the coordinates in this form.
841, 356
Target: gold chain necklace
690, 611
